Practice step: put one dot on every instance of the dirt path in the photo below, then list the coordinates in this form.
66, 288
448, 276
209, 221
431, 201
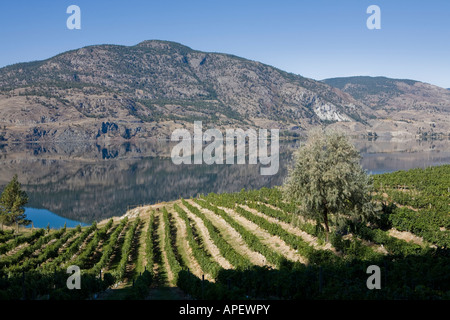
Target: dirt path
82, 246
63, 247
39, 250
207, 241
186, 250
232, 236
294, 216
405, 235
14, 250
311, 240
68, 242
273, 242
386, 196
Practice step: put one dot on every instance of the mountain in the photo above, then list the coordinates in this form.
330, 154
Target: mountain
112, 92
383, 93
400, 106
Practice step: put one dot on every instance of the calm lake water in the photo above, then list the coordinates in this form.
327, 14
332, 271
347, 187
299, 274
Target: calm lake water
84, 182
42, 218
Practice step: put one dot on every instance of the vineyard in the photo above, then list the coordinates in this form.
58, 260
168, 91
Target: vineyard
244, 245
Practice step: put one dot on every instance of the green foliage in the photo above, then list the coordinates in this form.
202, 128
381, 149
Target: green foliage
109, 247
27, 251
328, 181
206, 262
48, 252
120, 270
38, 284
174, 263
66, 256
30, 238
6, 235
211, 202
149, 245
140, 287
83, 260
425, 194
12, 200
226, 250
409, 270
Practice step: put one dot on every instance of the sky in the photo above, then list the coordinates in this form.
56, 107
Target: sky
316, 39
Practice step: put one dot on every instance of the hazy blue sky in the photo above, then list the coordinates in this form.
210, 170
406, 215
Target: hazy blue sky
317, 39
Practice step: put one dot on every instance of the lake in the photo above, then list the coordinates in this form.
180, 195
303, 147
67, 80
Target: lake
86, 182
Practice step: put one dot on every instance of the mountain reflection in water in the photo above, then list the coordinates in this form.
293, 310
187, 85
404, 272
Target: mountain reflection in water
90, 181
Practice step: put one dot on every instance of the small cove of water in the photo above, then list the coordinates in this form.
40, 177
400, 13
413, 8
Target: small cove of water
42, 218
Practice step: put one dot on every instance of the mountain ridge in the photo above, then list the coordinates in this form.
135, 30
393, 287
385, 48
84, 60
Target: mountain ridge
147, 90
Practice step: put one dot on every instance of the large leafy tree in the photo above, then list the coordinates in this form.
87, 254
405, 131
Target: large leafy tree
327, 181
12, 200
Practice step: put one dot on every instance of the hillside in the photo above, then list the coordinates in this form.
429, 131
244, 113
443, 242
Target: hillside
401, 107
112, 92
146, 90
386, 93
248, 244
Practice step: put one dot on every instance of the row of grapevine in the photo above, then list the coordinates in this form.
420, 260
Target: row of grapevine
83, 259
174, 263
278, 209
226, 250
108, 248
287, 217
249, 238
6, 235
65, 257
50, 251
292, 240
425, 190
272, 196
30, 238
350, 247
27, 251
425, 224
393, 245
304, 249
206, 262
120, 270
149, 245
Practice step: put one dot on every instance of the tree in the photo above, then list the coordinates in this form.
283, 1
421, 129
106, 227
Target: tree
12, 200
327, 181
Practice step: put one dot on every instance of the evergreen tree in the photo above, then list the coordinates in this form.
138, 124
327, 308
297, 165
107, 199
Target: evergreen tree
12, 200
327, 181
